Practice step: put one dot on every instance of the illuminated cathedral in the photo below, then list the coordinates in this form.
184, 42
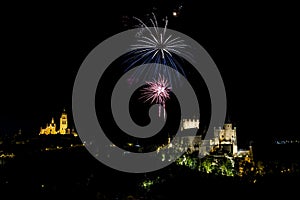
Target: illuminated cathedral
51, 129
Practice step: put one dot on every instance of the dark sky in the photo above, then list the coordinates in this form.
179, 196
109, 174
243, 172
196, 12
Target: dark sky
255, 48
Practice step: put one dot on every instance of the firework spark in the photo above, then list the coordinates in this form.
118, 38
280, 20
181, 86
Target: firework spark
157, 91
154, 45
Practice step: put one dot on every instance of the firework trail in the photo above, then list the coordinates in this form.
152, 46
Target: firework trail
155, 46
157, 91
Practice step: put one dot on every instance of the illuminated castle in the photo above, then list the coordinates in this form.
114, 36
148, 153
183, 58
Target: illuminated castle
224, 139
50, 129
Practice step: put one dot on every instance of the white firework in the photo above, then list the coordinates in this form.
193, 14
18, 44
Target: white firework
158, 42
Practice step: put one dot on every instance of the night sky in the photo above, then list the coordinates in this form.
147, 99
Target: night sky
254, 46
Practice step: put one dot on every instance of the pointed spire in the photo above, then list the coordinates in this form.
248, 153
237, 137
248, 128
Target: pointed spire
52, 121
64, 111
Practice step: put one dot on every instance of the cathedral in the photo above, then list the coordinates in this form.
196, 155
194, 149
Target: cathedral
51, 129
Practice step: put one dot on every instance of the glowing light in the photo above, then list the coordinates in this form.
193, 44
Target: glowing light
129, 144
157, 91
7, 155
174, 13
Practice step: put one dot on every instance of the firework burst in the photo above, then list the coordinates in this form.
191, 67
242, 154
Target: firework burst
157, 42
157, 91
155, 46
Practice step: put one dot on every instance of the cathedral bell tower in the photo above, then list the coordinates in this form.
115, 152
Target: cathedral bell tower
63, 123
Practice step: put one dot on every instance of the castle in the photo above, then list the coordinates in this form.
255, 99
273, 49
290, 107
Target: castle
225, 139
51, 128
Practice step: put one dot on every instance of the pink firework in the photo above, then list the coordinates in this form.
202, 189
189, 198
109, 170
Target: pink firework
157, 91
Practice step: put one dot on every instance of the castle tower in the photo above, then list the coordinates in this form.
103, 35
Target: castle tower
189, 124
63, 123
227, 138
